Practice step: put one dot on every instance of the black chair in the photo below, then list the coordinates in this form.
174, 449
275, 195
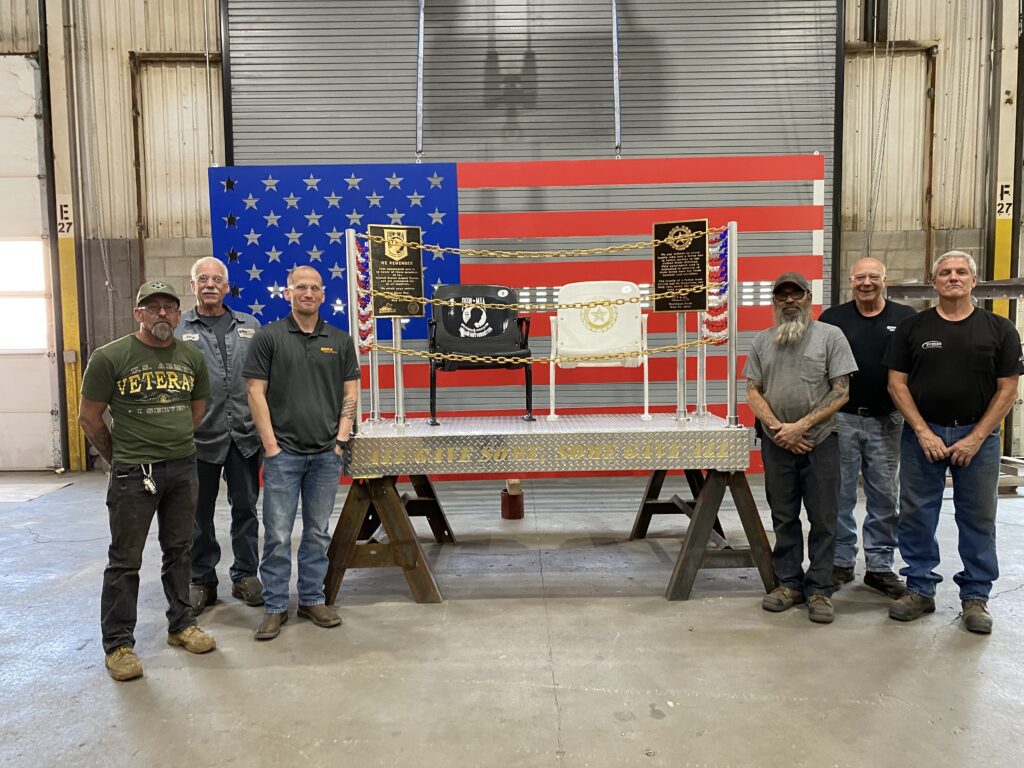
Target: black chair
476, 330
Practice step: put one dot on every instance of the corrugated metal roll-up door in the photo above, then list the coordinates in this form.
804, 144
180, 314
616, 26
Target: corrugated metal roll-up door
335, 82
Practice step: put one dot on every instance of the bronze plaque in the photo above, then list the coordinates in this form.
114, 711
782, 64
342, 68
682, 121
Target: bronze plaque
680, 263
396, 266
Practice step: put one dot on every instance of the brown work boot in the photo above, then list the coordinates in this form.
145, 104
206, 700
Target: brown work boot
270, 626
321, 615
911, 606
192, 639
820, 610
123, 664
781, 598
977, 619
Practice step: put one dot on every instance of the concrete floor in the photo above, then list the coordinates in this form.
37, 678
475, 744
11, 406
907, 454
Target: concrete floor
554, 647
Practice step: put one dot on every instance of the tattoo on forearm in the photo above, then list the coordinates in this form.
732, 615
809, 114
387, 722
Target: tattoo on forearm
840, 389
101, 441
348, 408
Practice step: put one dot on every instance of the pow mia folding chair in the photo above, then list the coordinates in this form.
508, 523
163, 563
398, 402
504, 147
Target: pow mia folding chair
477, 330
598, 330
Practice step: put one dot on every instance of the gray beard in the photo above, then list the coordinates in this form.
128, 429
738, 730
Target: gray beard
162, 331
790, 331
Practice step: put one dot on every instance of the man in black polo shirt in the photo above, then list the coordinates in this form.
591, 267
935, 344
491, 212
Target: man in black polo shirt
869, 432
953, 373
303, 380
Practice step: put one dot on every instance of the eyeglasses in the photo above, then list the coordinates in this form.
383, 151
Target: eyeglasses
303, 287
783, 296
871, 277
156, 309
215, 279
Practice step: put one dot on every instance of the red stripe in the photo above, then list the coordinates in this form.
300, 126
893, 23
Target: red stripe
670, 170
517, 274
634, 223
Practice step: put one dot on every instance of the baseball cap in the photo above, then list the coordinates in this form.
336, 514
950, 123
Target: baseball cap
792, 277
153, 288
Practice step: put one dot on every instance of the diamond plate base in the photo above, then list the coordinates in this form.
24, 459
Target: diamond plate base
590, 443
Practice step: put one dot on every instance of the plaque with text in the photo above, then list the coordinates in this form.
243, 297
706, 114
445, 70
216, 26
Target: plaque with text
396, 266
681, 262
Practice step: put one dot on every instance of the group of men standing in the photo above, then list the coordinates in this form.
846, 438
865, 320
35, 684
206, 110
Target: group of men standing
207, 393
875, 390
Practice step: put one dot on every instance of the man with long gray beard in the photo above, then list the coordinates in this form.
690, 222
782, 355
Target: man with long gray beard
798, 377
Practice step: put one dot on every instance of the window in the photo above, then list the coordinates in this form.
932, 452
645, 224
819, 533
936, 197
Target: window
23, 306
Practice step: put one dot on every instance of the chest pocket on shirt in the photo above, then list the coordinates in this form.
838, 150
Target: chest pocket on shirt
983, 359
812, 368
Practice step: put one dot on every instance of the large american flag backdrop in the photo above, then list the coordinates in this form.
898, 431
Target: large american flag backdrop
266, 219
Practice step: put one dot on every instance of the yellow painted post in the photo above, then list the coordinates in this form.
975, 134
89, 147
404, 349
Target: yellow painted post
1005, 151
67, 232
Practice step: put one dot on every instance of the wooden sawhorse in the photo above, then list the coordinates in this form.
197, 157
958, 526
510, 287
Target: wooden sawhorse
376, 501
708, 491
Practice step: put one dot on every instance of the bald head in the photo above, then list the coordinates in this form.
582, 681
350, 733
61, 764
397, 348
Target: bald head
867, 266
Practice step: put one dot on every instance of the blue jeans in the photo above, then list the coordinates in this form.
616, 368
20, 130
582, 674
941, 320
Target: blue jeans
974, 505
286, 476
870, 445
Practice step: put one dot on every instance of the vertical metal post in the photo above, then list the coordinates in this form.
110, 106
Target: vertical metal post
419, 82
702, 368
615, 77
396, 342
732, 299
681, 414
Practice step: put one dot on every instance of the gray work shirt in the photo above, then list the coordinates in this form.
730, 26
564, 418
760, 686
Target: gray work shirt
227, 416
797, 377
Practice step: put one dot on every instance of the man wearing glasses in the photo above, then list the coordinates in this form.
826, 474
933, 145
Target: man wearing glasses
869, 432
798, 377
303, 380
156, 390
226, 439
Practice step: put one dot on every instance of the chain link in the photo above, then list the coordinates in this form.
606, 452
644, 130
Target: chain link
506, 360
545, 306
679, 241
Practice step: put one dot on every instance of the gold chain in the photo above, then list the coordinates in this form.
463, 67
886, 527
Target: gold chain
504, 360
565, 253
539, 307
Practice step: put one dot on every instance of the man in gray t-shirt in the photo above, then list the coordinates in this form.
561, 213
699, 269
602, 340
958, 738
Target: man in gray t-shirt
798, 376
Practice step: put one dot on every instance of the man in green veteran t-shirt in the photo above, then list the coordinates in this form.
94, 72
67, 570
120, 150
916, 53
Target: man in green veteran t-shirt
155, 388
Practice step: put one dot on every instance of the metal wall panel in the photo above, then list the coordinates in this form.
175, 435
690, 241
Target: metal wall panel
105, 35
963, 31
19, 26
175, 116
884, 150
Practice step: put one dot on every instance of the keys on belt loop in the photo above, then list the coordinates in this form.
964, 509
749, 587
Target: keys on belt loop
147, 478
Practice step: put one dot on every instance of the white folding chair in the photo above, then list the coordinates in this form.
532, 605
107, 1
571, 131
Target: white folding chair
598, 330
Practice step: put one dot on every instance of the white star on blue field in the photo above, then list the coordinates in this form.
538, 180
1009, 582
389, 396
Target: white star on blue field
268, 219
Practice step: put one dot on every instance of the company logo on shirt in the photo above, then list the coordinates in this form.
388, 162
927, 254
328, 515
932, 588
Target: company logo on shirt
932, 345
329, 350
890, 328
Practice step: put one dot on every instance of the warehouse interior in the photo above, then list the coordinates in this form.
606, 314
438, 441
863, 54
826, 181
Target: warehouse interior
554, 643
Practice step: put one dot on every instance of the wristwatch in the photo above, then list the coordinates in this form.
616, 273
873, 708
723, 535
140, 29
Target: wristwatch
344, 444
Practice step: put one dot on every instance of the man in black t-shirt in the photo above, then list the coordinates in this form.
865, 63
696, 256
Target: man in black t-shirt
869, 432
953, 373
